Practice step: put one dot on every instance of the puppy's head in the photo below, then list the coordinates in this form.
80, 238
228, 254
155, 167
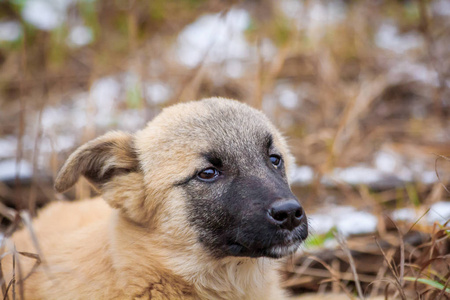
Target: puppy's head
212, 171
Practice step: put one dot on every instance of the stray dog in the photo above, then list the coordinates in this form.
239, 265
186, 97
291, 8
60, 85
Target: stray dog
194, 206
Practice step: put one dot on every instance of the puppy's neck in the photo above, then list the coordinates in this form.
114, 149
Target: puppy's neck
205, 276
228, 278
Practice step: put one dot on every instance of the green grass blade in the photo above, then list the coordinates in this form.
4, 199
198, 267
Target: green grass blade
429, 282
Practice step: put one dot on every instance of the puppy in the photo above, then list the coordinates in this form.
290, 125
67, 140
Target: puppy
195, 206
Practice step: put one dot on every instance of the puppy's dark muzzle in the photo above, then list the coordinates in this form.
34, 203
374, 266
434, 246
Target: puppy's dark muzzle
287, 214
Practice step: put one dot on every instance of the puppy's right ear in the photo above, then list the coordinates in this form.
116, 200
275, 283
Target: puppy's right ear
99, 160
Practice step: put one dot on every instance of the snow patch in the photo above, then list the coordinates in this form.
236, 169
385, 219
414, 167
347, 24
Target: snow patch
428, 177
10, 31
402, 70
8, 146
346, 219
131, 119
389, 38
358, 175
157, 92
441, 7
104, 93
234, 68
321, 223
45, 15
9, 169
356, 222
268, 50
439, 212
404, 214
386, 161
288, 99
222, 36
79, 36
291, 8
302, 175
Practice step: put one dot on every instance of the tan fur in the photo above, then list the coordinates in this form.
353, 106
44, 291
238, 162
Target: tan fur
140, 246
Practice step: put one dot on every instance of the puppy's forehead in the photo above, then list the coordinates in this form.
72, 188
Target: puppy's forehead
213, 123
185, 136
233, 127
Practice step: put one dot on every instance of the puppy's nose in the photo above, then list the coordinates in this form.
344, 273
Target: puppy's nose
287, 214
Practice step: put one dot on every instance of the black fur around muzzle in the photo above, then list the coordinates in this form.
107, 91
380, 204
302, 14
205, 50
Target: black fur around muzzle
248, 216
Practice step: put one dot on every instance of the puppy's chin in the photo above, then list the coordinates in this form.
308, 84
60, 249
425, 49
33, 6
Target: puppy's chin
274, 251
282, 251
279, 244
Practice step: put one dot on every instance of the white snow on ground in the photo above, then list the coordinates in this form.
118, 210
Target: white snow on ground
317, 14
402, 69
302, 175
291, 8
157, 92
388, 37
405, 214
439, 212
56, 143
386, 161
267, 49
10, 31
234, 68
131, 119
350, 221
388, 169
63, 124
8, 146
393, 164
79, 36
346, 219
104, 94
321, 15
386, 172
356, 222
288, 98
360, 174
8, 169
104, 91
441, 7
429, 177
45, 14
222, 36
405, 174
320, 223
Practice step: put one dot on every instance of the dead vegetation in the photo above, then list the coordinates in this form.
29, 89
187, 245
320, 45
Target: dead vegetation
406, 265
343, 79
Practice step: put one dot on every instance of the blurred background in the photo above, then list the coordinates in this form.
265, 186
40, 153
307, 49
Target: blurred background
361, 89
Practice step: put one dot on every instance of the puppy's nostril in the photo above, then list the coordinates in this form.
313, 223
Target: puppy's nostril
280, 216
299, 213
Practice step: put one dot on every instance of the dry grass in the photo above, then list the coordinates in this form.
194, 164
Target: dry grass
351, 105
407, 266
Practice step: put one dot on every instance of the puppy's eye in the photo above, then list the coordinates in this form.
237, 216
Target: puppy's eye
209, 174
275, 160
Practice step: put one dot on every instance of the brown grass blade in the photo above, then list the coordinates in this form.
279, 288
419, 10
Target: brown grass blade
341, 240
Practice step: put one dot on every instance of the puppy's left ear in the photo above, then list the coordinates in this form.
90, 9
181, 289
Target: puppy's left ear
99, 161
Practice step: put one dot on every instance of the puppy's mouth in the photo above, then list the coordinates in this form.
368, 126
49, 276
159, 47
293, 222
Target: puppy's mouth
280, 249
274, 251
